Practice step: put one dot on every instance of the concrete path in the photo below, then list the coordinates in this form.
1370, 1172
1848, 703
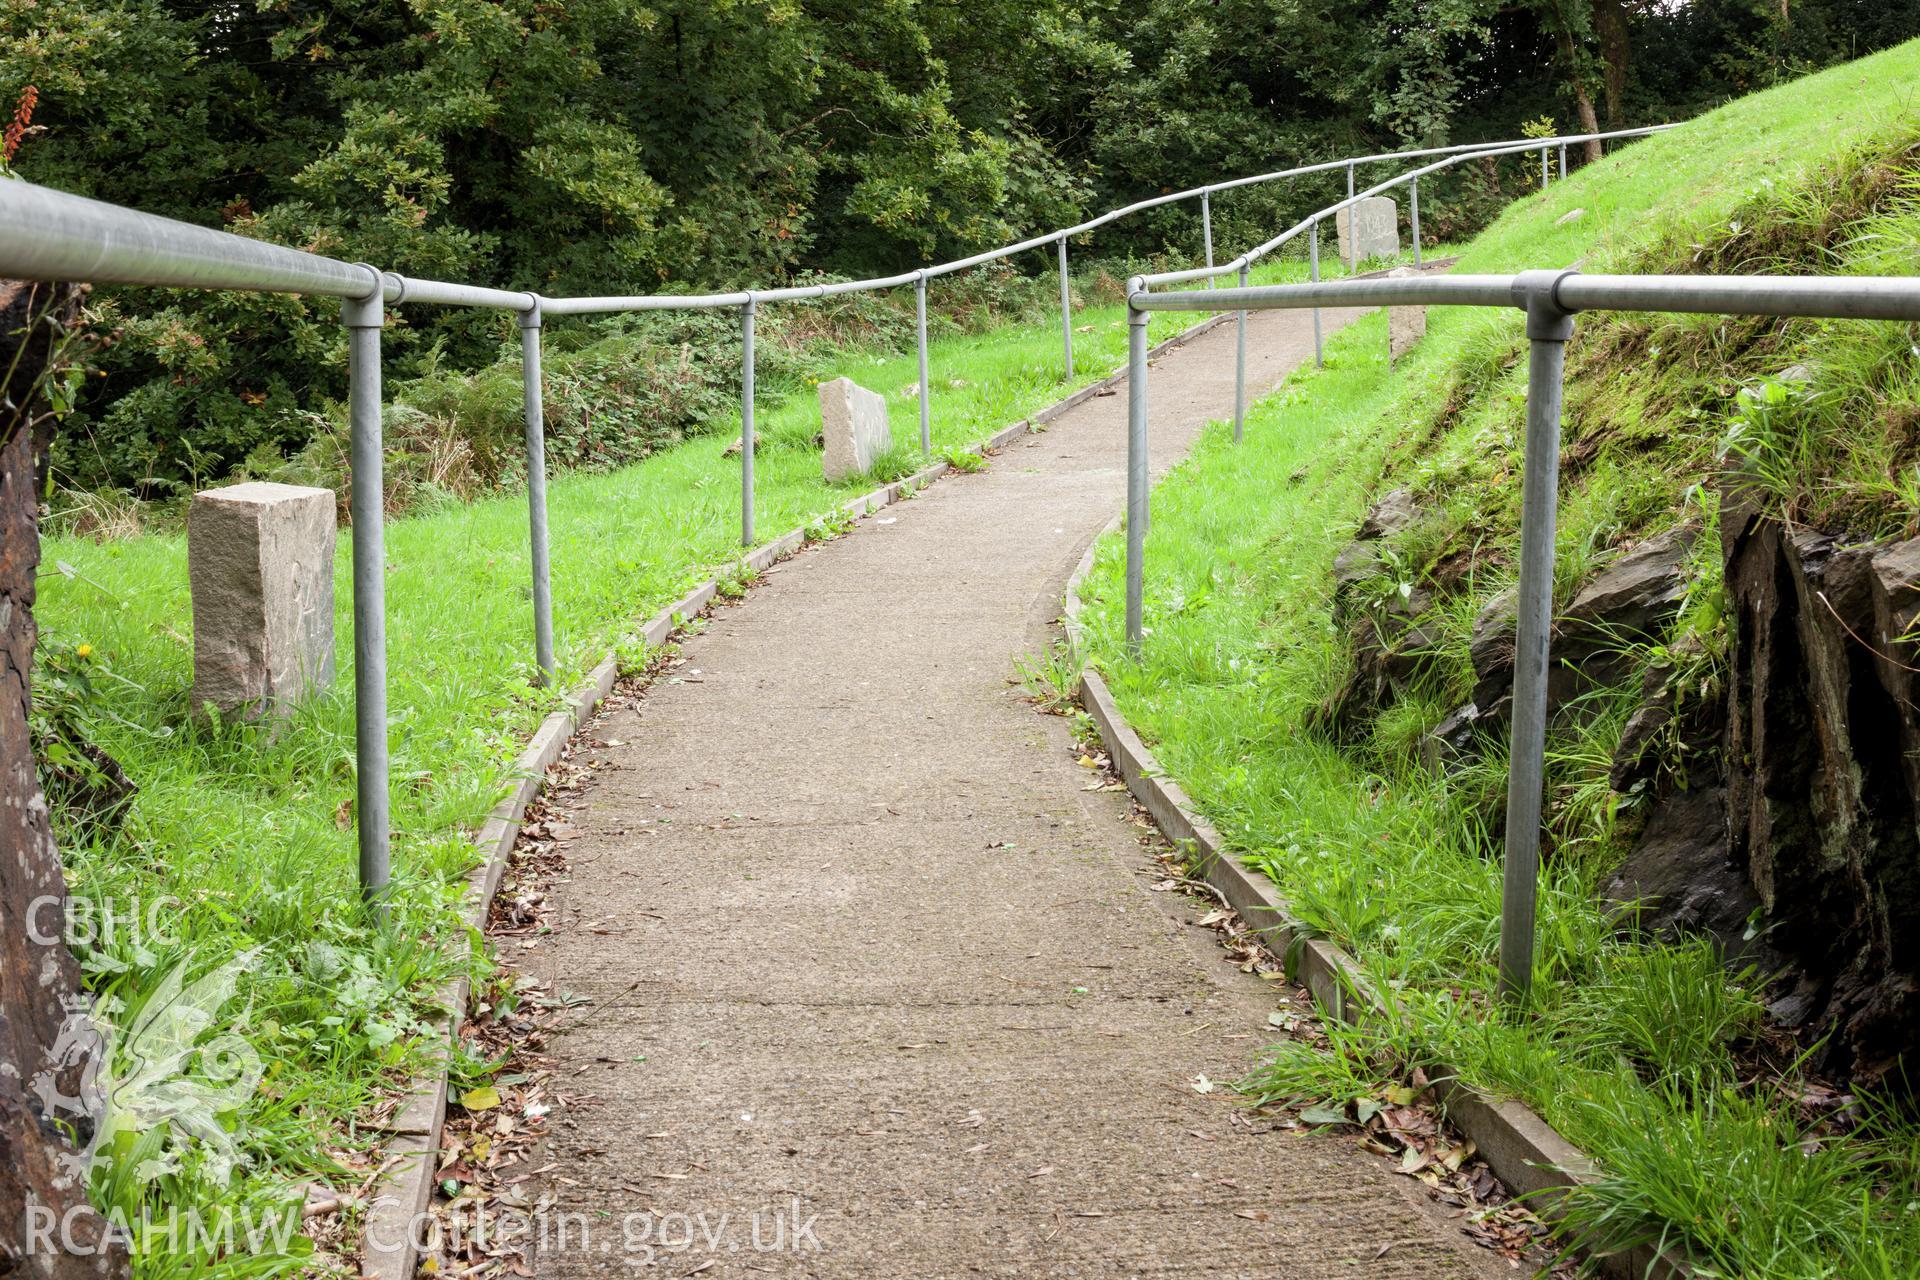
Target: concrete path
869, 947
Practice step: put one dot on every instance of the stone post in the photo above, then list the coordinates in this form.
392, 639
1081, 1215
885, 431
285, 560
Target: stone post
854, 429
260, 563
1368, 229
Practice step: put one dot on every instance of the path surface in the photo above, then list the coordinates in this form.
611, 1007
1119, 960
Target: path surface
895, 963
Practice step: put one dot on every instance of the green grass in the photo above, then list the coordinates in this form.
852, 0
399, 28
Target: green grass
249, 829
1627, 1048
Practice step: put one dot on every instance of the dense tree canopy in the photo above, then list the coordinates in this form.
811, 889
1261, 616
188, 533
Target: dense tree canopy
614, 144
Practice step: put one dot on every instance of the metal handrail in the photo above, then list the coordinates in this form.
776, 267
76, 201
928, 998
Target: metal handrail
53, 235
1312, 222
1455, 156
656, 302
1823, 297
1549, 299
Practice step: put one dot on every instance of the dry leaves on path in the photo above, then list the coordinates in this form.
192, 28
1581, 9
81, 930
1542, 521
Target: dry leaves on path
488, 1200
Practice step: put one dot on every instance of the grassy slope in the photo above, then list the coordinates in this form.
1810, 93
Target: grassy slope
1627, 1050
249, 830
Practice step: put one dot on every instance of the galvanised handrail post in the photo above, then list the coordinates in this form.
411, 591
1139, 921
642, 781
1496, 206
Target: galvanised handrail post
1548, 329
920, 338
364, 318
1313, 273
1563, 162
746, 421
1240, 369
536, 425
1066, 311
1206, 229
1353, 241
1413, 198
1136, 465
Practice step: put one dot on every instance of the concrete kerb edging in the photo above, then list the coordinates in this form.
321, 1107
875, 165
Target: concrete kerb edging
1522, 1149
389, 1243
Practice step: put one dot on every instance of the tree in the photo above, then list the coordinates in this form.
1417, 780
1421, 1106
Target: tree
47, 1228
1610, 27
1572, 24
627, 146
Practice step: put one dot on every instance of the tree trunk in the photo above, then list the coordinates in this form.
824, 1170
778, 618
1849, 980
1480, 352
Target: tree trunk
1616, 47
47, 1228
1582, 100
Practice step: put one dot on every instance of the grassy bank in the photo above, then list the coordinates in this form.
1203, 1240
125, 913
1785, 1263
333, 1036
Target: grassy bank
1648, 1056
245, 833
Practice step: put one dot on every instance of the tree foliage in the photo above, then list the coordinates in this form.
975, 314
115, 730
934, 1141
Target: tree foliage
615, 145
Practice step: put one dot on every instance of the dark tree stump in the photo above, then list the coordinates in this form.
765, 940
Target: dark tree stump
39, 981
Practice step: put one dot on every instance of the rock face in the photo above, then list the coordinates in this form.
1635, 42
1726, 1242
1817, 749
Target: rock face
1776, 785
1369, 228
1680, 876
1823, 752
1405, 325
854, 423
1360, 559
1388, 643
1388, 516
260, 563
1634, 598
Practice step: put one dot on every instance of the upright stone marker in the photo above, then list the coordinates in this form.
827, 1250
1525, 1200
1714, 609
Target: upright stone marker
854, 428
1369, 229
260, 562
1405, 325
